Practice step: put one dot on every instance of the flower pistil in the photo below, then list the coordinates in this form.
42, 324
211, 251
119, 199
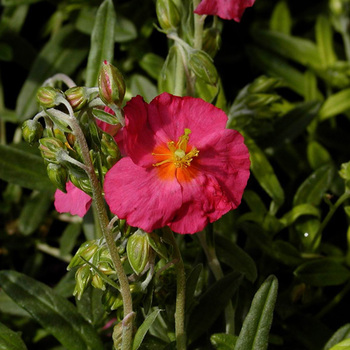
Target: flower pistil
179, 154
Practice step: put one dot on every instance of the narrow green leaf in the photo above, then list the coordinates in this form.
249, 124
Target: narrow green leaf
10, 340
335, 104
322, 272
55, 314
140, 85
18, 2
298, 49
34, 212
69, 237
315, 186
62, 54
298, 211
264, 173
254, 202
254, 334
105, 117
223, 341
152, 64
235, 257
191, 284
317, 155
102, 41
324, 41
8, 306
341, 334
143, 329
343, 345
281, 20
22, 167
211, 304
310, 86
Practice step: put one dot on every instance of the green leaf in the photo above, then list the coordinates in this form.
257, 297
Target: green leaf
125, 30
143, 329
55, 314
10, 340
104, 116
324, 41
335, 104
254, 334
167, 77
298, 211
276, 66
222, 341
317, 155
235, 257
311, 92
140, 85
8, 306
191, 284
264, 173
322, 272
62, 54
6, 53
206, 311
22, 167
341, 334
102, 41
152, 64
17, 2
315, 186
69, 237
298, 49
343, 345
34, 212
281, 20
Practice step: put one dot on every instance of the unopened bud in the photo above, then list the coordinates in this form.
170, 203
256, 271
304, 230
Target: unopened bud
111, 85
106, 268
97, 282
118, 336
86, 250
110, 149
202, 66
211, 41
138, 251
336, 7
57, 175
77, 97
111, 300
82, 279
32, 131
168, 15
80, 182
47, 96
49, 147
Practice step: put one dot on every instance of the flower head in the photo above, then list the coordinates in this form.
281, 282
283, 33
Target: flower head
183, 169
226, 9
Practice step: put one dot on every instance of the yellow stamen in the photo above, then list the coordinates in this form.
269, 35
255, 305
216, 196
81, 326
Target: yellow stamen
178, 155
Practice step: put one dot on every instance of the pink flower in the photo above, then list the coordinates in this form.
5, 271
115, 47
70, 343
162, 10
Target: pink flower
226, 9
183, 169
75, 201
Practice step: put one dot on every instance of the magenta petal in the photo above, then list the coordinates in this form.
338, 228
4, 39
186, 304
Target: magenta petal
204, 201
226, 157
75, 201
138, 195
225, 9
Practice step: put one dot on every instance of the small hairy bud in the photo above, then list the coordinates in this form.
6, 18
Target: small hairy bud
77, 97
57, 175
47, 96
203, 67
32, 131
168, 15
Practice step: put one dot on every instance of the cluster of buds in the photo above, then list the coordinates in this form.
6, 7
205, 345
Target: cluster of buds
58, 144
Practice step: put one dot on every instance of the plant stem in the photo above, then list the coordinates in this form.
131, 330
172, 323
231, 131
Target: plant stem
180, 293
215, 267
106, 230
180, 73
331, 212
198, 27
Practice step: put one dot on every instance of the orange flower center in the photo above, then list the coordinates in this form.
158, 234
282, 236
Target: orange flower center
179, 154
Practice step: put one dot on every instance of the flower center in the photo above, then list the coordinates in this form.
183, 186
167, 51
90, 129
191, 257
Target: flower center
179, 155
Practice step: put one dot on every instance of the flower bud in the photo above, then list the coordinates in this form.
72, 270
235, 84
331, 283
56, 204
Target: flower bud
86, 250
202, 66
49, 147
336, 7
47, 96
111, 85
118, 336
77, 97
81, 183
211, 41
82, 278
32, 131
57, 175
97, 282
168, 15
138, 251
111, 300
106, 268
